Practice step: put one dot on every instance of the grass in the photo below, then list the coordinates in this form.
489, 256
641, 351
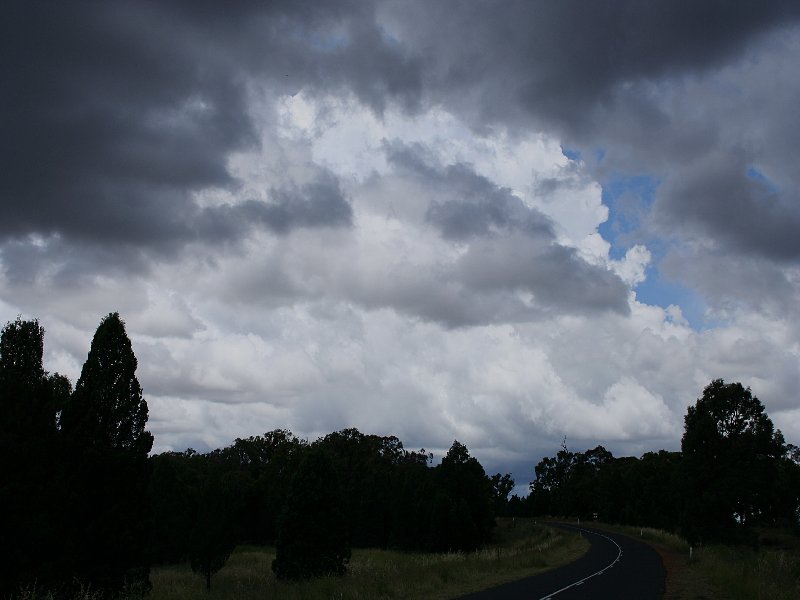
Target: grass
656, 537
743, 573
523, 548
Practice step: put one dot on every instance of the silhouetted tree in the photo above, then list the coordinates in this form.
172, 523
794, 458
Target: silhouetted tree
786, 507
471, 497
29, 459
24, 401
365, 466
502, 485
104, 427
549, 488
656, 487
214, 534
107, 410
263, 466
731, 454
581, 490
175, 484
313, 531
628, 490
451, 526
412, 489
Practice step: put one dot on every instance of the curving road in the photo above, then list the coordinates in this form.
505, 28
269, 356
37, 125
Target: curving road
615, 567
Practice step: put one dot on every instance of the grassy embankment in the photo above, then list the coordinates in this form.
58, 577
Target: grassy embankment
523, 548
770, 572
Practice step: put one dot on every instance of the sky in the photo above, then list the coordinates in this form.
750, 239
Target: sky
504, 223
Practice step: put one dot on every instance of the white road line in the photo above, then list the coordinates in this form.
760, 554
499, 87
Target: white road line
600, 572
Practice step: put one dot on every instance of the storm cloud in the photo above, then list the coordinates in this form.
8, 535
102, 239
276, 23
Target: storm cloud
502, 223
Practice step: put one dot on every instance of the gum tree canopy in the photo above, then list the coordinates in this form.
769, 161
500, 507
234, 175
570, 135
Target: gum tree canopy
731, 455
313, 531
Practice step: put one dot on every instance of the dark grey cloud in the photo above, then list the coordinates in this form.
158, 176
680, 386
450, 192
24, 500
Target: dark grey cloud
65, 264
560, 60
511, 249
464, 203
660, 88
316, 204
319, 203
723, 199
110, 123
114, 114
730, 282
477, 207
559, 280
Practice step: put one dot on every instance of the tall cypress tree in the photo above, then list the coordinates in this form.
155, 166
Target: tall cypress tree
107, 409
104, 427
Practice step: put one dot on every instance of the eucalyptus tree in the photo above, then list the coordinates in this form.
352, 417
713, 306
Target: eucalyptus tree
731, 455
313, 532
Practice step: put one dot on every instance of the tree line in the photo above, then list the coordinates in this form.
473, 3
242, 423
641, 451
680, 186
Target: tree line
733, 475
316, 500
85, 506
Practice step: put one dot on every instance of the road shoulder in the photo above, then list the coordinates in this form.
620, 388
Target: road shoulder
682, 581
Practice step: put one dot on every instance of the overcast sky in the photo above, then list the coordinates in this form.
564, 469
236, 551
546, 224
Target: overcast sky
497, 222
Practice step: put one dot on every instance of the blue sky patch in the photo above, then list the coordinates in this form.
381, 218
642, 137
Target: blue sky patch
628, 199
571, 154
657, 291
767, 185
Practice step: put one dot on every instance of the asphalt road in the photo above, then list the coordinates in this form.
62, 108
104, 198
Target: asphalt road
616, 567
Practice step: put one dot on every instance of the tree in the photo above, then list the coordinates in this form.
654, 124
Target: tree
173, 491
21, 350
451, 525
549, 488
471, 497
731, 454
107, 409
24, 400
412, 490
502, 485
29, 458
103, 425
786, 509
313, 531
264, 466
214, 535
582, 484
366, 466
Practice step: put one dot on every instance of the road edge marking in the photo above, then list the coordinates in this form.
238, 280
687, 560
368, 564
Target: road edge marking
600, 572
